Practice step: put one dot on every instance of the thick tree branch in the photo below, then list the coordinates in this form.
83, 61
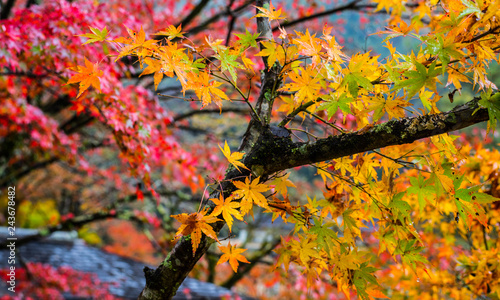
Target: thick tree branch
396, 132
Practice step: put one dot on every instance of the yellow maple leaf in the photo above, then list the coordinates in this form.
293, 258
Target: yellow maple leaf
281, 183
171, 32
194, 224
226, 207
252, 191
273, 51
234, 157
306, 84
270, 13
87, 76
233, 255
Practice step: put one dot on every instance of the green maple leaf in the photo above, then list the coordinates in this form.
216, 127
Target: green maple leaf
247, 39
417, 79
228, 62
435, 46
401, 209
423, 190
354, 80
348, 220
362, 278
325, 235
96, 35
492, 103
332, 104
472, 7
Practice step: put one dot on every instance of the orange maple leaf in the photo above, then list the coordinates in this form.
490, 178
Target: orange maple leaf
194, 224
207, 90
233, 255
87, 76
226, 207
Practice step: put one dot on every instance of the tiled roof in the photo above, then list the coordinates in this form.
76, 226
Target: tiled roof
64, 249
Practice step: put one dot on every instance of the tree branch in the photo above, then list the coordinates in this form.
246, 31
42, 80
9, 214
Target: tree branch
395, 132
195, 12
210, 111
349, 6
253, 262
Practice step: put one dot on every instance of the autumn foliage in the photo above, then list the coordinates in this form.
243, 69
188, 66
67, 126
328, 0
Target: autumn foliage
408, 207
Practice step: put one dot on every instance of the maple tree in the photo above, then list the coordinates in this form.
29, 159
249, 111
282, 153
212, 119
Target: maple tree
406, 208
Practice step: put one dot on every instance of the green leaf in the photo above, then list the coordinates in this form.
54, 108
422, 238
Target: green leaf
492, 103
354, 80
472, 7
423, 189
401, 209
96, 35
435, 46
349, 221
332, 104
418, 78
325, 235
247, 39
362, 277
228, 62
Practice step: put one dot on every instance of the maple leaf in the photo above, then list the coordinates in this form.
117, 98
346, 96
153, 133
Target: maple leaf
310, 46
252, 191
270, 13
137, 44
492, 103
228, 62
401, 29
233, 255
281, 183
171, 32
468, 202
418, 78
96, 35
422, 189
207, 90
234, 157
227, 208
88, 76
273, 51
247, 39
194, 224
334, 103
362, 277
306, 84
305, 249
154, 66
